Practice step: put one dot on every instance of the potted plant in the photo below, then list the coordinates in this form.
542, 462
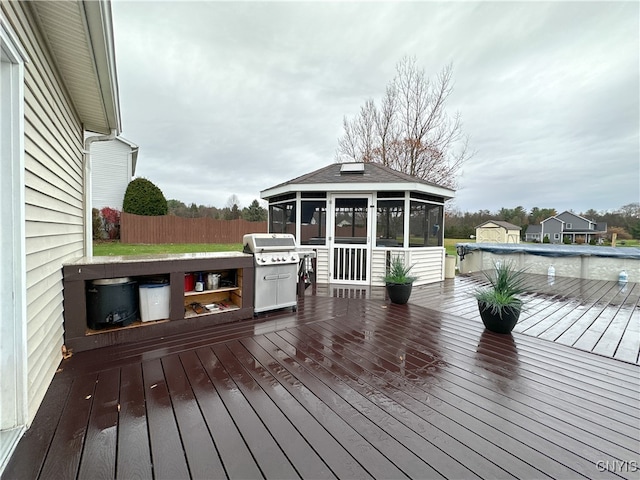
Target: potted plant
499, 304
398, 281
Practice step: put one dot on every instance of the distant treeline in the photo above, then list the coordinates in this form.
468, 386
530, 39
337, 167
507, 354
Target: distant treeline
252, 213
625, 221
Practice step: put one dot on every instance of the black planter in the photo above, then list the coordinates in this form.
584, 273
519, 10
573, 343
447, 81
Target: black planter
497, 323
399, 292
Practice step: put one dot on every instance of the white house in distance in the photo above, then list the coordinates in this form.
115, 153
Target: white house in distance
113, 166
57, 81
357, 215
497, 231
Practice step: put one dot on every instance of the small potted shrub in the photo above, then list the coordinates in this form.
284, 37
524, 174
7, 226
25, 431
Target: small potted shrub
398, 281
499, 304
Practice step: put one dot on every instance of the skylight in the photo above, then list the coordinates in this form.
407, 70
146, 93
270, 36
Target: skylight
352, 167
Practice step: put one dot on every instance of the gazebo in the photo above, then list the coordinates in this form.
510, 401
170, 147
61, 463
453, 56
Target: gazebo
356, 216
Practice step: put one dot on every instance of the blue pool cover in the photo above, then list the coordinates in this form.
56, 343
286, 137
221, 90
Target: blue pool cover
550, 250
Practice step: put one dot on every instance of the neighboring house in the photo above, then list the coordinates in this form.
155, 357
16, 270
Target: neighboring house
566, 226
57, 81
497, 231
357, 215
113, 167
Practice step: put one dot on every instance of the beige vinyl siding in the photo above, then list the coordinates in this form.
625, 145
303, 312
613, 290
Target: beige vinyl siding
110, 173
428, 264
322, 265
378, 266
53, 201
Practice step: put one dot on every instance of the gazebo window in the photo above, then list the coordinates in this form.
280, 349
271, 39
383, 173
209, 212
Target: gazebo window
313, 222
425, 225
390, 223
282, 217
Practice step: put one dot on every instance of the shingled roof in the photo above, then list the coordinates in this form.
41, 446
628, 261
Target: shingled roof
373, 176
501, 223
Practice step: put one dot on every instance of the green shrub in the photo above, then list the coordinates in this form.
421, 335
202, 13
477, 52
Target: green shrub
546, 240
142, 197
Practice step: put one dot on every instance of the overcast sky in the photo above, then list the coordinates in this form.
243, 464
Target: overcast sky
231, 98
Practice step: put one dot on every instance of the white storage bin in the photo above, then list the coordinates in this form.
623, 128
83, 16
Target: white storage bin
154, 301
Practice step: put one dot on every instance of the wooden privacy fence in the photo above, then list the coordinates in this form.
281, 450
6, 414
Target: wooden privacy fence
172, 229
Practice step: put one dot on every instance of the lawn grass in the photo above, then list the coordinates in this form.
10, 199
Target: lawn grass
116, 248
107, 249
450, 244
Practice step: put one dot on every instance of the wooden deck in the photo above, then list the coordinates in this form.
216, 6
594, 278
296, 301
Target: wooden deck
593, 315
347, 388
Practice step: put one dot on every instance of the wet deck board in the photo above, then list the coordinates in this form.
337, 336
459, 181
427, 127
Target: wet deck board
593, 315
343, 388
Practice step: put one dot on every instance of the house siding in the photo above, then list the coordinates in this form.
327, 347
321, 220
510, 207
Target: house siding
551, 227
428, 264
111, 167
53, 201
577, 223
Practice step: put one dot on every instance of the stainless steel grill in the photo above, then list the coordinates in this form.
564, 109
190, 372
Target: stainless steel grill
276, 270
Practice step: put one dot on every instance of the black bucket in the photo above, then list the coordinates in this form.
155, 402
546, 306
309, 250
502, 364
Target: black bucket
112, 302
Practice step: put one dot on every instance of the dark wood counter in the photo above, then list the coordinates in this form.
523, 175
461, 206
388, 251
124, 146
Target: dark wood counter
79, 274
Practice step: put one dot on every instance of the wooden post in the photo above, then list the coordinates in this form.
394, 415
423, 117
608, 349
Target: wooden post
614, 236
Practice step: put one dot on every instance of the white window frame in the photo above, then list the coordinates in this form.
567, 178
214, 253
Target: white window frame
13, 310
556, 236
569, 226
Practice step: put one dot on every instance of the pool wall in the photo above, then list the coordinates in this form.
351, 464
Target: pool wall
589, 262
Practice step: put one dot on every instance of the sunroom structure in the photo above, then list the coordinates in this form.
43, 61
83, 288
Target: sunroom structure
356, 216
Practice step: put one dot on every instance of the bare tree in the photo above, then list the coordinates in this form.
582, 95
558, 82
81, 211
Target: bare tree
411, 130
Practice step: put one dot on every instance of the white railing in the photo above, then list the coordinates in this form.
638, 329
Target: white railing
351, 264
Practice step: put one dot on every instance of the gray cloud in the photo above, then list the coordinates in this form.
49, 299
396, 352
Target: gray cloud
231, 98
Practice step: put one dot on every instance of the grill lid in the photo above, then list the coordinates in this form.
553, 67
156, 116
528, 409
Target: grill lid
268, 242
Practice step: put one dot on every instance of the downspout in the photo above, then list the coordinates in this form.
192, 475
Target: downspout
88, 217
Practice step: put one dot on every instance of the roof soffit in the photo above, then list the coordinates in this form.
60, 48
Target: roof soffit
79, 36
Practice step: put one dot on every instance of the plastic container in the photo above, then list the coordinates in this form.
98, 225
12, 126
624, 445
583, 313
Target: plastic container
449, 266
154, 301
112, 302
623, 277
189, 282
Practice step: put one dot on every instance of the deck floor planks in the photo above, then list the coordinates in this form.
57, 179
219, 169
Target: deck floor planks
420, 413
303, 458
371, 459
608, 343
268, 455
230, 445
545, 435
36, 441
629, 346
167, 454
560, 414
560, 309
328, 447
588, 319
319, 383
590, 337
64, 454
339, 382
134, 455
99, 452
199, 448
